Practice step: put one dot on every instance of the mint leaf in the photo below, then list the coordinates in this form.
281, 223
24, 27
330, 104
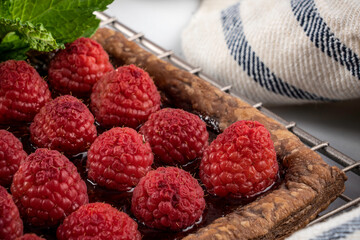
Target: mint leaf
5, 9
12, 40
45, 25
12, 47
17, 36
65, 19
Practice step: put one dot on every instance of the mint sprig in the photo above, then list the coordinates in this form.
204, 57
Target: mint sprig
45, 25
17, 38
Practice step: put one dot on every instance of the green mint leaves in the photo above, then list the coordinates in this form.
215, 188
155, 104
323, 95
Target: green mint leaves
45, 25
17, 38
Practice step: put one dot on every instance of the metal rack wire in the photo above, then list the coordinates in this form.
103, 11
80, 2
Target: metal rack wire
316, 144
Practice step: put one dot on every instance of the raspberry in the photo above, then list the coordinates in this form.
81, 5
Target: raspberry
240, 162
175, 136
124, 97
119, 158
47, 187
11, 225
98, 221
30, 236
64, 124
22, 92
11, 155
76, 68
168, 198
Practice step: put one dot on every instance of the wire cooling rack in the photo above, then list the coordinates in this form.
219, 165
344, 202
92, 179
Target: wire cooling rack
314, 143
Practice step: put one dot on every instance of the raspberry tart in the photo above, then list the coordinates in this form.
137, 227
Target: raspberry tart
288, 198
309, 185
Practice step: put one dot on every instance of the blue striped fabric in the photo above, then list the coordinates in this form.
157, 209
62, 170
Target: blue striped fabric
341, 231
320, 34
242, 52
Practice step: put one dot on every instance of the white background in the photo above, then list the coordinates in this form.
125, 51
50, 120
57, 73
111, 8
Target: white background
162, 22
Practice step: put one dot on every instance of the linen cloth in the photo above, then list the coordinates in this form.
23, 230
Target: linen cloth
345, 226
279, 51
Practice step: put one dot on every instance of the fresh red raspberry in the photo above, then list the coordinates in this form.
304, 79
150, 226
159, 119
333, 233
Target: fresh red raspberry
30, 236
11, 225
64, 124
76, 68
240, 162
168, 198
124, 97
47, 188
22, 92
118, 158
98, 221
175, 136
11, 155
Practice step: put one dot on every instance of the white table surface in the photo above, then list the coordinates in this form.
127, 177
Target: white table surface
162, 22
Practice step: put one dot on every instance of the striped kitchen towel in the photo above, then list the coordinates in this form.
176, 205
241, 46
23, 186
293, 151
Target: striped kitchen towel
345, 226
279, 51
